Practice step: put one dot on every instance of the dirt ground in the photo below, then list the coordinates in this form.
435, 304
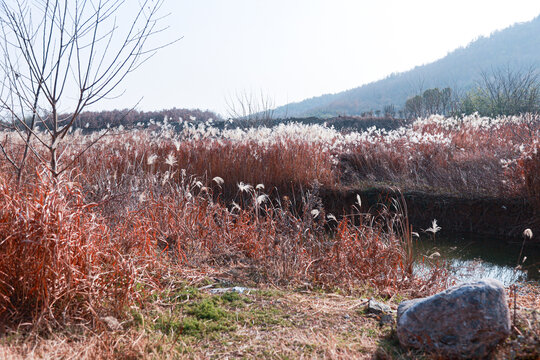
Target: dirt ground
189, 321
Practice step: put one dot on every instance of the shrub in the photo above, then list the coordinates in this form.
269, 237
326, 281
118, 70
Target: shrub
57, 260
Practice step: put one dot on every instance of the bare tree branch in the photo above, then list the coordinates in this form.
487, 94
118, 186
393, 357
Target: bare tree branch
76, 46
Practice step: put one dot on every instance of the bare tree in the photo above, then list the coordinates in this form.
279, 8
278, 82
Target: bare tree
506, 91
250, 110
58, 53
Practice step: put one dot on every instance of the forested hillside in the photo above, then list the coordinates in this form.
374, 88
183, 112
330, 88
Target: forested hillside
517, 47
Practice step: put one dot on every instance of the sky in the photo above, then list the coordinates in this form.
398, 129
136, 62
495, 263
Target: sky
290, 50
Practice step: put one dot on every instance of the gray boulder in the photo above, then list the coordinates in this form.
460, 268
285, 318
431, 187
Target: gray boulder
465, 321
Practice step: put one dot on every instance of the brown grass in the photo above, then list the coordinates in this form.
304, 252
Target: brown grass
268, 324
529, 166
99, 240
64, 262
58, 259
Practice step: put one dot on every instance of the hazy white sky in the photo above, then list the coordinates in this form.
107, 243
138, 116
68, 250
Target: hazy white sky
295, 49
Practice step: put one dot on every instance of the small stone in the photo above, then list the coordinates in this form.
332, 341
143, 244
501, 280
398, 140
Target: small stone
112, 323
346, 316
465, 321
378, 308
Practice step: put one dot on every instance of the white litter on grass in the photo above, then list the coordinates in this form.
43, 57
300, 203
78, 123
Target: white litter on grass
236, 289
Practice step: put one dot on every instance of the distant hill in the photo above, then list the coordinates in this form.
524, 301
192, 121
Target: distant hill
517, 47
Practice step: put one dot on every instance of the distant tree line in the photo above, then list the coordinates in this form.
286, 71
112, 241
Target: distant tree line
501, 91
432, 101
97, 120
388, 112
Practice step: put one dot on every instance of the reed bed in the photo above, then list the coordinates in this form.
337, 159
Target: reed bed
147, 202
62, 260
58, 259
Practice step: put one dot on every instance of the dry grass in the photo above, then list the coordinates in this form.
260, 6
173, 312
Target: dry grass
138, 211
529, 168
57, 259
65, 262
468, 157
267, 324
263, 324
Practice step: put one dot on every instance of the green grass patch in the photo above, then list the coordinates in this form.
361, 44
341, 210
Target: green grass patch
207, 310
268, 317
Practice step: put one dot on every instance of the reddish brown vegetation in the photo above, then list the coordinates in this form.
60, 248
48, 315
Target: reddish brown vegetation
84, 245
61, 260
529, 165
57, 258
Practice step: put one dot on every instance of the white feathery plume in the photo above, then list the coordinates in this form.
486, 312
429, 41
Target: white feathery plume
244, 187
358, 200
170, 160
218, 180
261, 199
151, 159
434, 227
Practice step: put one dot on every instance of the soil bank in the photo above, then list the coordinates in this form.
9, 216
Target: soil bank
502, 218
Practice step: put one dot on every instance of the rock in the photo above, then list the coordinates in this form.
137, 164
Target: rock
112, 323
378, 308
465, 321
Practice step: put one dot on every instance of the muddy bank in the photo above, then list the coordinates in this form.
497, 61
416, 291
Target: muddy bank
505, 218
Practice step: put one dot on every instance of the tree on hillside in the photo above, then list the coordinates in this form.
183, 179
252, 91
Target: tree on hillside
447, 102
65, 53
504, 91
414, 107
432, 101
389, 111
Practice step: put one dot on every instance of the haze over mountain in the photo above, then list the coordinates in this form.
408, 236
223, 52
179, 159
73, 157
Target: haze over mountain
517, 47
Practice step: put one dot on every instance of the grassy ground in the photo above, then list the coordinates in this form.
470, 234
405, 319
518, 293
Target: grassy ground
189, 321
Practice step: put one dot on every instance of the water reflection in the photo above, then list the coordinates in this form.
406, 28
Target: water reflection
471, 258
467, 270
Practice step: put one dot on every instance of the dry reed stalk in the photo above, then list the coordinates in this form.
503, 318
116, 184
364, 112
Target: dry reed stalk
142, 204
57, 259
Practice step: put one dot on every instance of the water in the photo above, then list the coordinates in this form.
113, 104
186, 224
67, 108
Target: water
472, 258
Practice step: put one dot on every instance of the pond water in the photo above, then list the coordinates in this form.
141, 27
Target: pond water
471, 257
